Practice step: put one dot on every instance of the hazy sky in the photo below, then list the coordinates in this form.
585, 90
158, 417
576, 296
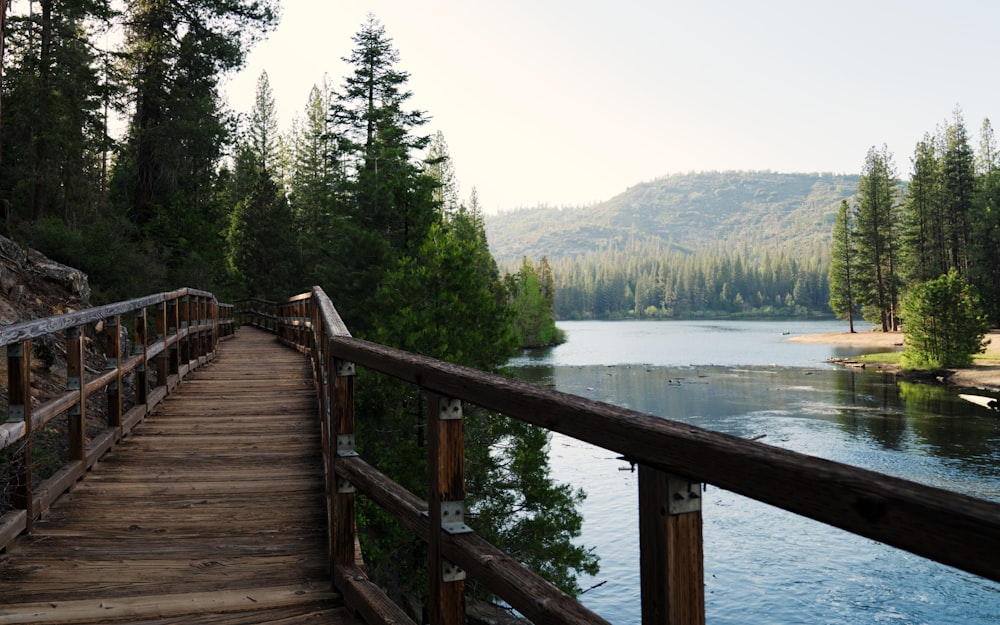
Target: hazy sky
570, 102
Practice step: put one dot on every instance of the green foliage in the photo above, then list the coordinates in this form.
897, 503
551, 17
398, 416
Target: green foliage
944, 325
532, 300
842, 267
876, 234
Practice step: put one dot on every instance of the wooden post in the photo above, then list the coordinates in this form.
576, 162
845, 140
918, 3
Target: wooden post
163, 360
173, 357
139, 349
75, 382
342, 439
670, 549
446, 476
183, 325
19, 409
112, 352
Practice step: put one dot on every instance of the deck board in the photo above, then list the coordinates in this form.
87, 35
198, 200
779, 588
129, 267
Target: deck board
211, 511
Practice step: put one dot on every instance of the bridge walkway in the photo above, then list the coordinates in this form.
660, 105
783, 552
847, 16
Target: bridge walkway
210, 511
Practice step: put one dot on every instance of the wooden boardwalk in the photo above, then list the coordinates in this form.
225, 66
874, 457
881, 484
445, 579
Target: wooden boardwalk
211, 511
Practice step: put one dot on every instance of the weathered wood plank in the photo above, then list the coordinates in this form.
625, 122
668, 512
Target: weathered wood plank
168, 605
192, 513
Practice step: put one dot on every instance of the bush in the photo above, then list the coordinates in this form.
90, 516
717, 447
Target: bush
943, 324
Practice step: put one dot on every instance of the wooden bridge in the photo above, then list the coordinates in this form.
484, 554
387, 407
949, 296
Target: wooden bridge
218, 485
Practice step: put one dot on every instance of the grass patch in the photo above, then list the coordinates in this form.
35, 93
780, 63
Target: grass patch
882, 358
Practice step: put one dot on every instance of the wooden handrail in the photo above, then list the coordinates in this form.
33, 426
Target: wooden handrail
189, 323
947, 527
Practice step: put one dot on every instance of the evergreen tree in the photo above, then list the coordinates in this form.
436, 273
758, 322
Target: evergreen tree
175, 53
390, 207
944, 326
958, 191
842, 267
923, 229
876, 238
262, 242
54, 129
985, 221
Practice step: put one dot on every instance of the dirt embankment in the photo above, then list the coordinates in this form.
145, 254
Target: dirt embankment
985, 374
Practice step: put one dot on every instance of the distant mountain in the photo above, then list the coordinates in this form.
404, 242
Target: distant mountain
758, 210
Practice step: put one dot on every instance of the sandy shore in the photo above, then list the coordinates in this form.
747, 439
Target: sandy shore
984, 375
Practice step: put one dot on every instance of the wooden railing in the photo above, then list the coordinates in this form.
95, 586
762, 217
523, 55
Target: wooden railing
171, 334
674, 460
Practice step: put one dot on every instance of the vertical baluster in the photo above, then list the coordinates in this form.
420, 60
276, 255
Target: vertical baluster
19, 409
163, 360
446, 473
75, 382
342, 432
183, 330
139, 349
670, 549
173, 354
112, 353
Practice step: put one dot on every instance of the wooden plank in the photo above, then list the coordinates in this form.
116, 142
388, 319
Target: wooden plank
12, 523
367, 598
164, 606
176, 509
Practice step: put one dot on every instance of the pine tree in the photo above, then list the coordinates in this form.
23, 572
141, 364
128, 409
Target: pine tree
390, 207
262, 243
958, 191
842, 267
876, 238
985, 221
923, 238
176, 52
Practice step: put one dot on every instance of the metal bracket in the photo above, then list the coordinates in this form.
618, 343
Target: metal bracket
453, 517
343, 486
451, 572
110, 363
73, 383
15, 413
345, 368
15, 350
684, 495
449, 409
138, 350
345, 446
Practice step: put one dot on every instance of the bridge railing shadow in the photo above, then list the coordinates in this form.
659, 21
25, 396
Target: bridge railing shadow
674, 459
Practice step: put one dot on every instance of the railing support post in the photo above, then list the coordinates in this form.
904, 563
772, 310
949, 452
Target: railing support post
670, 549
74, 382
19, 409
139, 349
341, 431
112, 354
173, 354
446, 473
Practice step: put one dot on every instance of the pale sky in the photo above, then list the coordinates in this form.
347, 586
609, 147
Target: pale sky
566, 103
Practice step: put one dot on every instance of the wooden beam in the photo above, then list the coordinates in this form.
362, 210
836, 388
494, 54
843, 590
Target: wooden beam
671, 561
446, 476
19, 411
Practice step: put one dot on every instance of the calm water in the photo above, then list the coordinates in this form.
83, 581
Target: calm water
763, 565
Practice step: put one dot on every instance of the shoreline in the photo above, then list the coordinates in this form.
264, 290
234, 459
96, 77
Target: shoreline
984, 375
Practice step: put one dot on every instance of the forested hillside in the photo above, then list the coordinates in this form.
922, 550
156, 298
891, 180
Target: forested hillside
764, 211
708, 244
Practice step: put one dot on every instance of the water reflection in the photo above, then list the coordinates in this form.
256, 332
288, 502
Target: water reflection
858, 417
763, 564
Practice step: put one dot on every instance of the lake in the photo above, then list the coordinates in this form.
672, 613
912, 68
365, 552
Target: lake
743, 378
